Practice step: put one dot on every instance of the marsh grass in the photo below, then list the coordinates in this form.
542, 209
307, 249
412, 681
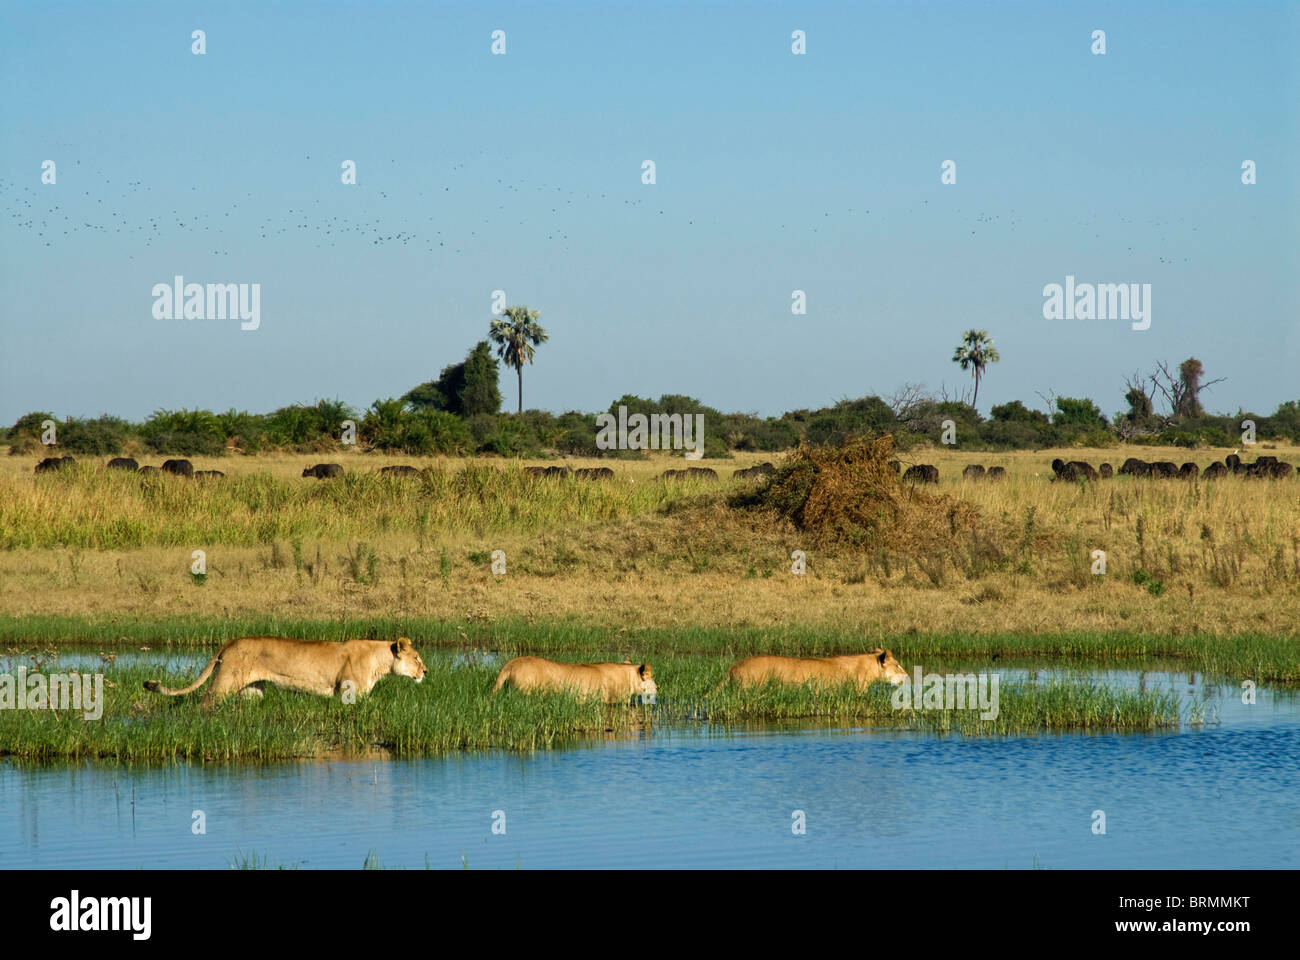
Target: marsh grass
1247, 654
453, 710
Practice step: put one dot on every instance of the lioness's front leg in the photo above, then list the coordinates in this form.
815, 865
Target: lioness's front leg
348, 685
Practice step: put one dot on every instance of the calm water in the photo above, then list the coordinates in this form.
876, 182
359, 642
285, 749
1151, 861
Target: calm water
1222, 794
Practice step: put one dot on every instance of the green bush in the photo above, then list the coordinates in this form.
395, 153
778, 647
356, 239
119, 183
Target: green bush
104, 435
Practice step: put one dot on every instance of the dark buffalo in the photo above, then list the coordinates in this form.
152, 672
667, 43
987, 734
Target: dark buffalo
996, 473
55, 463
1214, 471
1234, 463
753, 473
1165, 469
402, 470
1270, 468
594, 473
1262, 467
1074, 470
178, 468
701, 473
974, 471
323, 470
922, 473
1136, 468
1189, 471
123, 463
207, 474
1106, 471
148, 470
673, 475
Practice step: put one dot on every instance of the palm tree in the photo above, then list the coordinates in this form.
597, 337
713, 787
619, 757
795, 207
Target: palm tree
515, 335
976, 351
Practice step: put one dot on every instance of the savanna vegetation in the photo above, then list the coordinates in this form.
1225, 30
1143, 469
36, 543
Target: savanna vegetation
883, 559
459, 414
831, 552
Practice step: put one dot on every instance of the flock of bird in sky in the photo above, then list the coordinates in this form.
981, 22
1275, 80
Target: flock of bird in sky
48, 215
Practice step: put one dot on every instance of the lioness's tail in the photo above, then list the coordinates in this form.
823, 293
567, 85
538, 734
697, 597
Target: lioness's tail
726, 679
155, 687
502, 677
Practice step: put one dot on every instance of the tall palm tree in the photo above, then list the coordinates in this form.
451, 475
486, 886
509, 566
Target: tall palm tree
515, 335
976, 351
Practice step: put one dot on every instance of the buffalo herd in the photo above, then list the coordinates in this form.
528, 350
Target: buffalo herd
1071, 471
690, 473
1076, 470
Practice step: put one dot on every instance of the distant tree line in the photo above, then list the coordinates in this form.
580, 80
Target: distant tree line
459, 414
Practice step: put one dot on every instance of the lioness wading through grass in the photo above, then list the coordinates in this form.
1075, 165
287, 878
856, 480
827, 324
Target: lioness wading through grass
311, 666
865, 669
612, 682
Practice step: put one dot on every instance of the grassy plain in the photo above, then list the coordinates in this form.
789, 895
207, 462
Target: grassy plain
1183, 559
1200, 576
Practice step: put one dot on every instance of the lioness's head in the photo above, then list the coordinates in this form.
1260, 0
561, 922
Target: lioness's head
891, 668
647, 681
406, 662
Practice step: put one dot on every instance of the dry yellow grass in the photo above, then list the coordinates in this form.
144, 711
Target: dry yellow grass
1225, 553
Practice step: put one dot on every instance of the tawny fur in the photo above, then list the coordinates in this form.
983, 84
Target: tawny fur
310, 666
865, 669
612, 682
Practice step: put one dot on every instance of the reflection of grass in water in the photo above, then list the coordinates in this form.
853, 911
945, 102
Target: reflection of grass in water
251, 861
453, 710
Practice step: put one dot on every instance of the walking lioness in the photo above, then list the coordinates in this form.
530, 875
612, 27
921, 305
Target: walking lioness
865, 668
612, 682
311, 666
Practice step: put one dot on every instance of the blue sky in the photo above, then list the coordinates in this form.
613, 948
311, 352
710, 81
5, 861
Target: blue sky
522, 172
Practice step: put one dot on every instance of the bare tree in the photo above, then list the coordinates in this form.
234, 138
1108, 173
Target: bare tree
963, 398
1182, 391
906, 398
1141, 418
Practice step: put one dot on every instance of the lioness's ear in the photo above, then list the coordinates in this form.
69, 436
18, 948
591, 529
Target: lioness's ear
645, 670
396, 648
882, 654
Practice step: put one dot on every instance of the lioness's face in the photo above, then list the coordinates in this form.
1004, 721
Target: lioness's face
406, 662
892, 669
649, 691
